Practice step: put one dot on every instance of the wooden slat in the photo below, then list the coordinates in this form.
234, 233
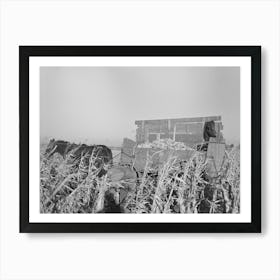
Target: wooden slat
197, 119
215, 155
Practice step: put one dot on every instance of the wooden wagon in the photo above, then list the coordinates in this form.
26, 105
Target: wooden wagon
188, 131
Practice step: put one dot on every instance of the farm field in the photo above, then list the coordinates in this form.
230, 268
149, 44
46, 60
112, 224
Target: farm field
174, 187
173, 156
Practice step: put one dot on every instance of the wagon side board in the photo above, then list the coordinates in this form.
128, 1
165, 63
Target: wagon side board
215, 157
127, 152
154, 157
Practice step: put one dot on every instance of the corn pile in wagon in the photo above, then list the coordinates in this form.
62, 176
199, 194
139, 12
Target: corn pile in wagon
165, 144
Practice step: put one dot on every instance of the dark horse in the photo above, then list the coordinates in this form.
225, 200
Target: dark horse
74, 152
208, 131
58, 146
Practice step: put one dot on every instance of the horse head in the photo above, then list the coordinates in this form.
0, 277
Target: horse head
56, 146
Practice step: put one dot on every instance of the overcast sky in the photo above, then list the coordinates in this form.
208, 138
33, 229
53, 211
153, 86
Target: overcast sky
98, 105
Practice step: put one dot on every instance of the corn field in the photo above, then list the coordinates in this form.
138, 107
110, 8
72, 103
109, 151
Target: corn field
175, 187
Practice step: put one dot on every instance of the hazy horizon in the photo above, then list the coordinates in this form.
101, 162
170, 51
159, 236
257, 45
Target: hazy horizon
99, 105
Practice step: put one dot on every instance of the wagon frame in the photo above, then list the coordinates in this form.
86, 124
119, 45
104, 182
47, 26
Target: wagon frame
136, 155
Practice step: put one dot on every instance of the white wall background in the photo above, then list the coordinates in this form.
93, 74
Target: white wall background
139, 256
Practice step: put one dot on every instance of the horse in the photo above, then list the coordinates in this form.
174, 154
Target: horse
73, 153
57, 146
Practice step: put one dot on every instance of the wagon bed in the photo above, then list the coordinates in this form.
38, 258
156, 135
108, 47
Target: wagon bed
153, 156
138, 157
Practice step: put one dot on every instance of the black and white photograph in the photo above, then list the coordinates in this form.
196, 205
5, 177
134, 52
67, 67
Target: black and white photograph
140, 140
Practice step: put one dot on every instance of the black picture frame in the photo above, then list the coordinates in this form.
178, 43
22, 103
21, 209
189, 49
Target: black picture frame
254, 52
